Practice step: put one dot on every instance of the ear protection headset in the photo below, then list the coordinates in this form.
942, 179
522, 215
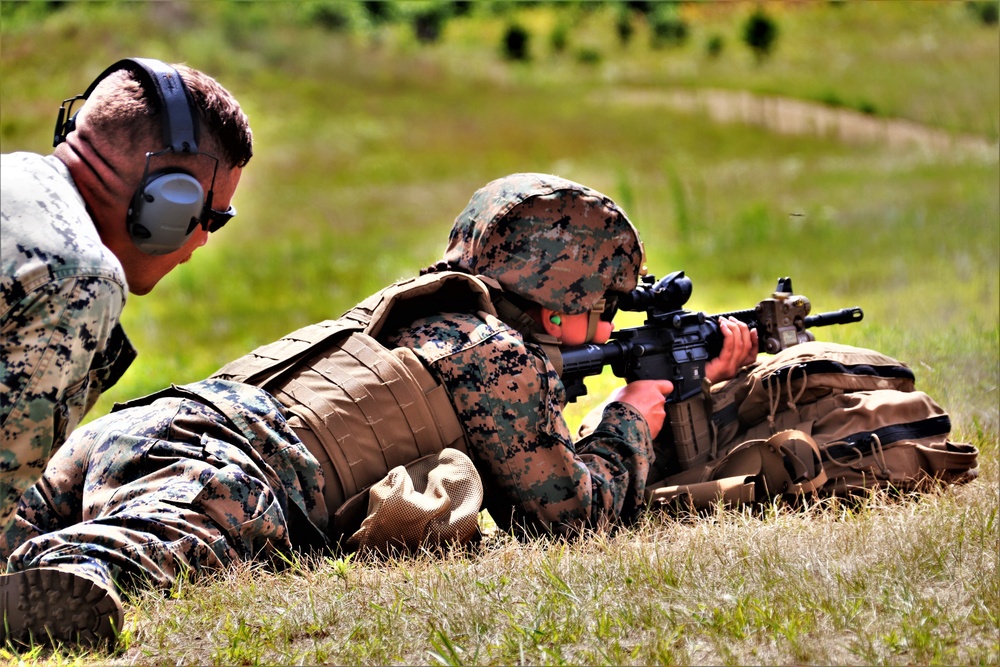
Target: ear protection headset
170, 202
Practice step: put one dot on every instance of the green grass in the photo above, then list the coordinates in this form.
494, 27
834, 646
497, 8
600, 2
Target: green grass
367, 146
881, 582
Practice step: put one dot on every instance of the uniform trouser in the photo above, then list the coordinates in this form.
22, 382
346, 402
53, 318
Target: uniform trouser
161, 490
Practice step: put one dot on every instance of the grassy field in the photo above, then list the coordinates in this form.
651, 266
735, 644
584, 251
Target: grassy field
369, 142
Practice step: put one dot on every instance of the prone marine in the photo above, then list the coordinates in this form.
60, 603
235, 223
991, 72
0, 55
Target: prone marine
451, 377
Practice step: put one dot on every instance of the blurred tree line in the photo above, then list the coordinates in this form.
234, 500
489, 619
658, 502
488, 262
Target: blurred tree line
665, 23
666, 26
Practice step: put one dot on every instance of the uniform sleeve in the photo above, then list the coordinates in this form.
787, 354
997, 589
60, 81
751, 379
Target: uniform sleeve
621, 450
516, 427
53, 343
565, 485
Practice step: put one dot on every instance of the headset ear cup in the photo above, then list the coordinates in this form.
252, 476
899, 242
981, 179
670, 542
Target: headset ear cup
164, 212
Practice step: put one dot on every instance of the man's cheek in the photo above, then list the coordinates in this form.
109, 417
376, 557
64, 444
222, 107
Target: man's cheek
603, 333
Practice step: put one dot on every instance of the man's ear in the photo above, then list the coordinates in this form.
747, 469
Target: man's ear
551, 322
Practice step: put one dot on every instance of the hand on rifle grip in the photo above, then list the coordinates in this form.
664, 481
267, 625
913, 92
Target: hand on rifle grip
648, 397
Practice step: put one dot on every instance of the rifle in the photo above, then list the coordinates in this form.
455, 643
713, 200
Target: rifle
675, 344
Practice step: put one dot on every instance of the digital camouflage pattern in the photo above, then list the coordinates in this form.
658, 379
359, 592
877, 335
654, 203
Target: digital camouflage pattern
204, 475
61, 294
557, 243
561, 245
510, 399
210, 472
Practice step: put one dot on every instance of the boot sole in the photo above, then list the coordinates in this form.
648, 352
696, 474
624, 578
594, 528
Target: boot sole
49, 606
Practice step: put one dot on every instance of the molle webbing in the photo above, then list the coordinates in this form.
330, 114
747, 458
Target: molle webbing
806, 372
361, 408
268, 361
402, 302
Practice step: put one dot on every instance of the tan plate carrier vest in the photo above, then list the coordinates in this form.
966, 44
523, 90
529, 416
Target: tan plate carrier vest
359, 407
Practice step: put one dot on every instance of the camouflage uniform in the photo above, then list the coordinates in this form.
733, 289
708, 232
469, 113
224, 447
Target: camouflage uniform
193, 477
509, 399
209, 473
563, 246
61, 294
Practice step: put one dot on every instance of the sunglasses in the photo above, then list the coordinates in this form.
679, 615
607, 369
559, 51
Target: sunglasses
213, 221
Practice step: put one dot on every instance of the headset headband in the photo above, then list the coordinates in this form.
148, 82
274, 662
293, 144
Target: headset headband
180, 132
164, 87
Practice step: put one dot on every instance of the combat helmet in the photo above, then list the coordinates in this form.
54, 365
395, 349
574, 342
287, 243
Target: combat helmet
548, 240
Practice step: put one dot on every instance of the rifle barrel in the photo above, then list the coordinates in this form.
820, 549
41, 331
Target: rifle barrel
591, 358
842, 316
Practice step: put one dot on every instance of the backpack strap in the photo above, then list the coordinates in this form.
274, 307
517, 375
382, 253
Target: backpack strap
860, 444
730, 491
801, 454
787, 463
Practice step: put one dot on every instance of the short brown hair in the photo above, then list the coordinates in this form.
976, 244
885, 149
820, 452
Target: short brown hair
221, 116
127, 110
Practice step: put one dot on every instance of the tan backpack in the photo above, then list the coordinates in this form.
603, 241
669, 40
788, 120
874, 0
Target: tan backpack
852, 414
375, 417
806, 372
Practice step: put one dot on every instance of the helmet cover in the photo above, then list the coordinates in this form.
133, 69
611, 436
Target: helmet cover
549, 240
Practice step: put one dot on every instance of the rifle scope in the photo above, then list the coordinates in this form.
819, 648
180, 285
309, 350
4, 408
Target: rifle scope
667, 294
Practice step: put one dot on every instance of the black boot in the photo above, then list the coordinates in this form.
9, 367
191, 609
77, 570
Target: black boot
48, 606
